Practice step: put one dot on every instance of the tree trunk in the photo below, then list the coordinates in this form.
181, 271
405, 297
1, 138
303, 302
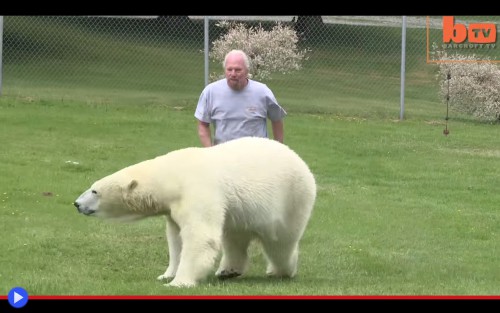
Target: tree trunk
307, 25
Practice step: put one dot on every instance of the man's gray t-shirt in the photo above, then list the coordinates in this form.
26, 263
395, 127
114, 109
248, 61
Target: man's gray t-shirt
236, 114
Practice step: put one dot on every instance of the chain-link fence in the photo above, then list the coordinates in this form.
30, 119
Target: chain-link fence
161, 59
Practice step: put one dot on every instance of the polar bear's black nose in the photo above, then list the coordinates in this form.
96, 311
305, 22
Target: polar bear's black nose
77, 205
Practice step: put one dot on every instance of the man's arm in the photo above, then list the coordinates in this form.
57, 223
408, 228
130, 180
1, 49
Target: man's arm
204, 134
278, 132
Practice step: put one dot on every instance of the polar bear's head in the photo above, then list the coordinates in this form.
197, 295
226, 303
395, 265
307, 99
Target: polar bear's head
117, 196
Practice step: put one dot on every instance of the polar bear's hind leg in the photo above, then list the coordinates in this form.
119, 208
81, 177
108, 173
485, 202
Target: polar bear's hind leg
281, 258
234, 260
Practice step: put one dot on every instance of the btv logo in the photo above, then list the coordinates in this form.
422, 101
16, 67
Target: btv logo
477, 33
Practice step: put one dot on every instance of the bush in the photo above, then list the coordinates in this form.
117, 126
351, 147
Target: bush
269, 51
471, 83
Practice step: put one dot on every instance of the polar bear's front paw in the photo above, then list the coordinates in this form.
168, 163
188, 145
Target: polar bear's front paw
226, 274
169, 274
164, 277
180, 284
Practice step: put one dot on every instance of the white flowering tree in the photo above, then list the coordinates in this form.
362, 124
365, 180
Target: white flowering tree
270, 51
470, 85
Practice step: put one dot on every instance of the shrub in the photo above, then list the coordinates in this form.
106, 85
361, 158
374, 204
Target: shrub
269, 51
471, 83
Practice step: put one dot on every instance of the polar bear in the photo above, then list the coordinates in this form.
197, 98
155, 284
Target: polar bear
215, 199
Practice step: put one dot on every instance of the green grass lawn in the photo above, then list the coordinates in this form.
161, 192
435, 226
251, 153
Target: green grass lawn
401, 208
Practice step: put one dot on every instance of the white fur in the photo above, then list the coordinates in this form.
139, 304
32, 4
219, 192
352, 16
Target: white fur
215, 199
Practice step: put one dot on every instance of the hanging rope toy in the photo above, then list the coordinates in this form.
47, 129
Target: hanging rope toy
446, 131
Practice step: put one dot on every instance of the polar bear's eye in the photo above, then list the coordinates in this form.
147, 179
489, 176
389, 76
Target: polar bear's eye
94, 192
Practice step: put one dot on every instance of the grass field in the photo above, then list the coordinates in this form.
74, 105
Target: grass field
401, 209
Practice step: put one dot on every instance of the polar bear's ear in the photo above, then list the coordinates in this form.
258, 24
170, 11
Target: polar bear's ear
133, 183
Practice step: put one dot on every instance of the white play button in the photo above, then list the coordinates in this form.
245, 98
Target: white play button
17, 297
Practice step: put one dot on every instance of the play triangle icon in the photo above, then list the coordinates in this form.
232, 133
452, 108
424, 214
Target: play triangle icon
17, 297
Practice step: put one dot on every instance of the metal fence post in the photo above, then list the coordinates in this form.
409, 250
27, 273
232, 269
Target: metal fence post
403, 58
207, 45
1, 49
